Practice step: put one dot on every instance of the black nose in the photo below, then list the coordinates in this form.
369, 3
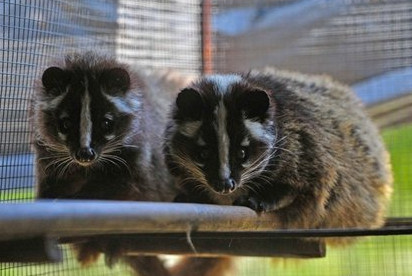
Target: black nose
227, 186
86, 155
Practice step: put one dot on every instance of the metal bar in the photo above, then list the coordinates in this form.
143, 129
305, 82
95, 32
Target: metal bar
38, 249
78, 218
209, 244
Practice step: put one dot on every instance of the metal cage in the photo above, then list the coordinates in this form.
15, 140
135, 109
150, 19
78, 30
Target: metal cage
364, 43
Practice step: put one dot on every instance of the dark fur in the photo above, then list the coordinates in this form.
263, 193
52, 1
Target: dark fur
137, 170
327, 165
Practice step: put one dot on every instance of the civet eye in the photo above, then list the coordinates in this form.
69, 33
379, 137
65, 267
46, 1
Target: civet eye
203, 154
64, 125
107, 125
243, 154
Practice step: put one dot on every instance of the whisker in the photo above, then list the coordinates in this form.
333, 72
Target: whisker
195, 184
132, 146
119, 159
57, 162
107, 160
116, 160
53, 156
64, 166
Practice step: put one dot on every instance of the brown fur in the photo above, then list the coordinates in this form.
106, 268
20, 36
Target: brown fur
203, 267
331, 169
346, 154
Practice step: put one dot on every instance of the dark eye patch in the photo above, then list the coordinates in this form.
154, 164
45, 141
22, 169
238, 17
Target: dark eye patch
202, 154
107, 124
64, 125
243, 154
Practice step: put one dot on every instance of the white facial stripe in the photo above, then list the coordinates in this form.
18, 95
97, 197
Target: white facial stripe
245, 142
223, 140
246, 164
109, 116
189, 129
223, 82
109, 137
62, 136
258, 132
85, 118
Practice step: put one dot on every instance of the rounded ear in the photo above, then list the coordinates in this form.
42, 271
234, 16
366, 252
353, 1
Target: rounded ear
255, 103
190, 104
55, 79
116, 79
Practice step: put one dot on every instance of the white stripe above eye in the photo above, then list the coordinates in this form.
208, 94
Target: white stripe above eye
223, 140
201, 142
54, 103
122, 105
85, 118
190, 129
258, 131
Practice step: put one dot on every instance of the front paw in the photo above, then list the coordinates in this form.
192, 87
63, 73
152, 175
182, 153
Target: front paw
182, 198
87, 253
113, 252
256, 204
192, 198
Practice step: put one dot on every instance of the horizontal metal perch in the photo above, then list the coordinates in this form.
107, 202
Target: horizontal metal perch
158, 228
164, 228
71, 218
38, 249
80, 218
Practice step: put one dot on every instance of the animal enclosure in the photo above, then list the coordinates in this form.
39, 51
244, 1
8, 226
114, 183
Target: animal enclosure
364, 43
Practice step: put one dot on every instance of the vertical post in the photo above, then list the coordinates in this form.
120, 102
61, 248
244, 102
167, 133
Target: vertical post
207, 52
37, 249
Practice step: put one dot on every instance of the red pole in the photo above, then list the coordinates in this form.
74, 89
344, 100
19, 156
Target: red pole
207, 44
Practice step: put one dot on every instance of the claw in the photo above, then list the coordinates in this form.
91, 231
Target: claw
257, 205
112, 253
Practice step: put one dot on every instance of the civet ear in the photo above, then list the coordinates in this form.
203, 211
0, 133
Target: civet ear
190, 104
55, 80
116, 80
255, 103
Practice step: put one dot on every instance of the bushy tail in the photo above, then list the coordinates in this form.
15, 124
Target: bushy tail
214, 266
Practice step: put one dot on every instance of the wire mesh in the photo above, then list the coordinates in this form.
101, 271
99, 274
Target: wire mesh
35, 32
373, 256
365, 43
350, 40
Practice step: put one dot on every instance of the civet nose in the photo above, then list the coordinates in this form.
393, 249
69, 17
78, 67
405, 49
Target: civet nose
228, 185
86, 155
